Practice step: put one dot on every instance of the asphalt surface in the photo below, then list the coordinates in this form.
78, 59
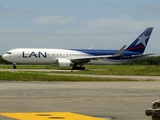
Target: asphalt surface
119, 100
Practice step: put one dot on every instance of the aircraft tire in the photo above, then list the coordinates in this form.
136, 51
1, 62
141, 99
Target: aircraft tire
82, 68
14, 66
78, 68
74, 68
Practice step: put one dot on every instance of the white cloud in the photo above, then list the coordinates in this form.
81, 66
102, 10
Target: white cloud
65, 20
52, 20
122, 23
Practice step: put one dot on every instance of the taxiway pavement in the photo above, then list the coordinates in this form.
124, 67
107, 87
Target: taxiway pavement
119, 100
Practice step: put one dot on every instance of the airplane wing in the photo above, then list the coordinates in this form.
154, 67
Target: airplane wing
88, 58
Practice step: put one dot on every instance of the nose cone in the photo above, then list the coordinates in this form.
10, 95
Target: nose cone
5, 57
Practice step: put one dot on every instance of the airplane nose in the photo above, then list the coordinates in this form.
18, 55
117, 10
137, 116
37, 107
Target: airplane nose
5, 56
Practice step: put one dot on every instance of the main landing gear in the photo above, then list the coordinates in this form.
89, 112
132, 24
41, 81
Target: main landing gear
14, 66
78, 68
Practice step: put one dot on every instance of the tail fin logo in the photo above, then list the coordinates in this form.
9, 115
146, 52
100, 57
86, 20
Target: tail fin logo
142, 40
140, 43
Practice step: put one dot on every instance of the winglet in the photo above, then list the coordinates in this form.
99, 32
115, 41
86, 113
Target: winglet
119, 52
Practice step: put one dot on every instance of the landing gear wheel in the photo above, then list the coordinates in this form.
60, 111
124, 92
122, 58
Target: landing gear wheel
74, 68
14, 66
82, 68
78, 68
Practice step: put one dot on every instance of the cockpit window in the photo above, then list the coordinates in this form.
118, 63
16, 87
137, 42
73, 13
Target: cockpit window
8, 52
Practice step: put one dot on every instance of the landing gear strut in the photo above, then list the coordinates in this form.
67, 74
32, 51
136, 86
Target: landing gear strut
14, 66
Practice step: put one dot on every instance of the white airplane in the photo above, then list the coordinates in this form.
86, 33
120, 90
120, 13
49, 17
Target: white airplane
78, 57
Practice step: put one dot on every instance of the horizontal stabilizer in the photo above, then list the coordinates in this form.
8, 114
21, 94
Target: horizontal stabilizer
142, 55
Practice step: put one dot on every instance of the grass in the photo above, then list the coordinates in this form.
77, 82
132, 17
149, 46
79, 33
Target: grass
28, 67
145, 70
26, 76
140, 70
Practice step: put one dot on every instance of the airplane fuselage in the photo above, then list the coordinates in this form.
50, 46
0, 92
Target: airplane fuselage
49, 56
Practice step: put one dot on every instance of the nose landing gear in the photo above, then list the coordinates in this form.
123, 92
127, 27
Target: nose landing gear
14, 66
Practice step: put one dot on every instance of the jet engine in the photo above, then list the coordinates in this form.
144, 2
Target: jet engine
64, 63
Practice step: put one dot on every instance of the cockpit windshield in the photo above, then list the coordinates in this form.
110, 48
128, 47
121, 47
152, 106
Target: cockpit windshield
8, 53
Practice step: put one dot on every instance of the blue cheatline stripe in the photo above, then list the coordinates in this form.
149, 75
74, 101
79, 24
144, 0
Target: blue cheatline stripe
105, 52
96, 52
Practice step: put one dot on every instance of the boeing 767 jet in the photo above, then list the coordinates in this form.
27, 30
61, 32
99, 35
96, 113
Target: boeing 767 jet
77, 58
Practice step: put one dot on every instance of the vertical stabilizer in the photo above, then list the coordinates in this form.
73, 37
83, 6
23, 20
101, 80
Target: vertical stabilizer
140, 43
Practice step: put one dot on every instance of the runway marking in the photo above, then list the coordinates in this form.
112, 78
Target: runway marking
49, 116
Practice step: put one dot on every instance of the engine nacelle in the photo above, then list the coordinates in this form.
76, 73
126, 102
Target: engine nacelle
64, 63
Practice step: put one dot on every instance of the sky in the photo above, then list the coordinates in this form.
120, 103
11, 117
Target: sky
83, 24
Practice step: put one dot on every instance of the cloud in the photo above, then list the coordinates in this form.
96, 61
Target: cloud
12, 13
112, 5
52, 20
122, 23
148, 8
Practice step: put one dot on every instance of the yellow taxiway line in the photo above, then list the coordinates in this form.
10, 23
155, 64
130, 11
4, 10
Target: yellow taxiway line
49, 116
